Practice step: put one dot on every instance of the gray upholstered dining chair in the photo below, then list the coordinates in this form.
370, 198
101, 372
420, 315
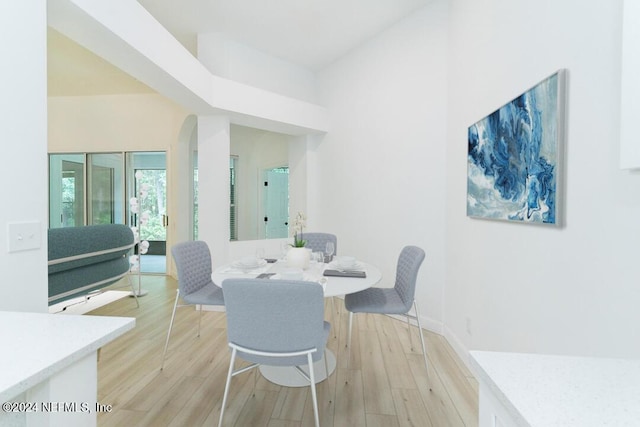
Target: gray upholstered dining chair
193, 262
396, 300
275, 322
317, 242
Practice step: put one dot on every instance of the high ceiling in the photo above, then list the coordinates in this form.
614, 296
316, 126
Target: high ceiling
310, 33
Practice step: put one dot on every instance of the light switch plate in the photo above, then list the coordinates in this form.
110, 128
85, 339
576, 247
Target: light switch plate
23, 236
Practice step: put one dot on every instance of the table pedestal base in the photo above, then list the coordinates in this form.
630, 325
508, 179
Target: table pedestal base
290, 377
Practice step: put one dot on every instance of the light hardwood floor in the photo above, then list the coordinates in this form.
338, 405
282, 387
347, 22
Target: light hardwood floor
385, 385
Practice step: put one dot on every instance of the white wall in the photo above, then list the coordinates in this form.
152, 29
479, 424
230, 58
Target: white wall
144, 122
23, 171
256, 150
569, 290
572, 289
238, 62
380, 171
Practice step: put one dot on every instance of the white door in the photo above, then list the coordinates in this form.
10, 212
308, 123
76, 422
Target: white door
276, 203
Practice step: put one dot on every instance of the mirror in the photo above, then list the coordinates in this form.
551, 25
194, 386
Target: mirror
259, 167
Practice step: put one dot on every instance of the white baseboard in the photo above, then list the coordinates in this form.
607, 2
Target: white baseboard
458, 347
427, 323
439, 328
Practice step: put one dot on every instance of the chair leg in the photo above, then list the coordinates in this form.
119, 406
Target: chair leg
424, 352
255, 381
226, 387
199, 320
173, 315
349, 339
409, 331
334, 316
349, 331
313, 390
326, 365
133, 291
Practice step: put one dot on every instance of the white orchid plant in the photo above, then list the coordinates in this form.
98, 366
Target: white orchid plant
143, 218
298, 225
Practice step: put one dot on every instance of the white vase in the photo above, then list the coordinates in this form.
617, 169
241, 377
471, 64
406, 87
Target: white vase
298, 258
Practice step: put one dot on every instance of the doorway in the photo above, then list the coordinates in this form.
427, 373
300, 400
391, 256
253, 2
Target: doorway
276, 202
147, 181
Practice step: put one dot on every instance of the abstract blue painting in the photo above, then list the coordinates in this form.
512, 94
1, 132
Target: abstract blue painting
513, 158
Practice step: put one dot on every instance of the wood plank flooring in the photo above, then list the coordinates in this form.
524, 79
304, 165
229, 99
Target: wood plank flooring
385, 385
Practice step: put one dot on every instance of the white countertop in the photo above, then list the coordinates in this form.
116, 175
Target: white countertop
547, 391
36, 346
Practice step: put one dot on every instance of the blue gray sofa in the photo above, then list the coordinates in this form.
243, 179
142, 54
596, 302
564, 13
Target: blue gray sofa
86, 259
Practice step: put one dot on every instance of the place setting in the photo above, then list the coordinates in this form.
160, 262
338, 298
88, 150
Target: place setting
338, 275
345, 266
246, 265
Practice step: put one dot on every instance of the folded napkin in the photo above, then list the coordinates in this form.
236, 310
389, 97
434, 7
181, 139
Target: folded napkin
339, 273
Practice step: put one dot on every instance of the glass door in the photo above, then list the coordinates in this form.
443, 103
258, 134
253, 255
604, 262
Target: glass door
147, 182
106, 188
66, 190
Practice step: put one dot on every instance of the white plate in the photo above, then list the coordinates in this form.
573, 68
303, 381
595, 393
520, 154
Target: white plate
356, 266
249, 264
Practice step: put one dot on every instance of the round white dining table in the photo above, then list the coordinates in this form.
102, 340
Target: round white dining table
332, 285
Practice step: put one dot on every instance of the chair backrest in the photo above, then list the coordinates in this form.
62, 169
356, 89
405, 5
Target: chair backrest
193, 261
274, 315
317, 242
409, 263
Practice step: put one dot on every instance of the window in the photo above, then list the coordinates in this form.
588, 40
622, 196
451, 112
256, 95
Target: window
195, 195
233, 209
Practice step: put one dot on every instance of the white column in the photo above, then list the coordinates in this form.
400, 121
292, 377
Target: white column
23, 165
180, 190
213, 185
304, 177
297, 176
